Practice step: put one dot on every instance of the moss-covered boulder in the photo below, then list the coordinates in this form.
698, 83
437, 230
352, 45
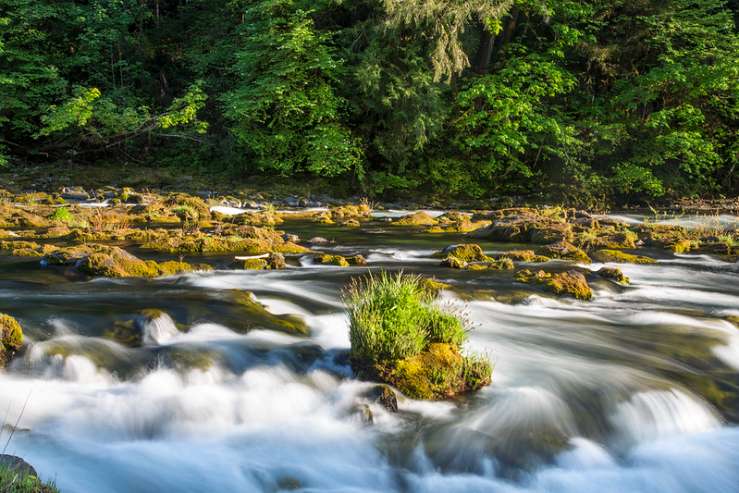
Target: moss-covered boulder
569, 283
250, 240
398, 336
110, 261
526, 225
457, 222
566, 251
614, 274
467, 252
439, 372
617, 256
11, 338
419, 218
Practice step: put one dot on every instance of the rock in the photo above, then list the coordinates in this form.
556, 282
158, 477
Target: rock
365, 414
319, 240
614, 274
388, 399
571, 282
17, 465
337, 260
75, 194
291, 237
439, 372
11, 338
419, 218
618, 256
566, 251
468, 252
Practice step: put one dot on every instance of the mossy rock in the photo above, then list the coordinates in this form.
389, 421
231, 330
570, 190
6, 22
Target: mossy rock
614, 274
525, 225
457, 222
11, 338
606, 237
685, 246
566, 251
337, 260
618, 256
571, 282
27, 248
419, 218
110, 261
434, 286
523, 256
467, 252
255, 315
439, 372
273, 261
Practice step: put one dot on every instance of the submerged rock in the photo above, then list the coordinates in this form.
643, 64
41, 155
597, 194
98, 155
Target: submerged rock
255, 315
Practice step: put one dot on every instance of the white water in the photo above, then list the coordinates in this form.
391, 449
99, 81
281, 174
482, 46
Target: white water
573, 399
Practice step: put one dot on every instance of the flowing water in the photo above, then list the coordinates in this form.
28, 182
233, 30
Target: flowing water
635, 391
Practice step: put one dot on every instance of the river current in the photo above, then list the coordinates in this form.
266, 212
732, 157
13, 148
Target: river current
634, 391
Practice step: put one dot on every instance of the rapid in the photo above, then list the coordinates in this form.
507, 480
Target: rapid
634, 391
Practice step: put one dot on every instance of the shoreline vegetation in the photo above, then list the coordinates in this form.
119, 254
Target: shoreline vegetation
588, 104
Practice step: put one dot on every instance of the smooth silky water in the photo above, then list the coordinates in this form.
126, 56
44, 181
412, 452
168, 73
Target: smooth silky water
635, 391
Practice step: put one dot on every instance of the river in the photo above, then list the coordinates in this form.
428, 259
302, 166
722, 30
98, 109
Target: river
634, 391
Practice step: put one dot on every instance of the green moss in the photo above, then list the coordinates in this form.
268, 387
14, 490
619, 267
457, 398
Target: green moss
433, 286
685, 246
439, 372
453, 263
621, 257
254, 264
337, 260
11, 337
257, 316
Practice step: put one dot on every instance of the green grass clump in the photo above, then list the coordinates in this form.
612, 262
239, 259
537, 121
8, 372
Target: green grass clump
14, 482
62, 215
400, 337
388, 317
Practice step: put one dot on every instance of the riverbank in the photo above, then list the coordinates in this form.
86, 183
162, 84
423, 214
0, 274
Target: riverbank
98, 181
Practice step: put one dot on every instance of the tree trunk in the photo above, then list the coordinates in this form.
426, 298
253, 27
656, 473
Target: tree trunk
484, 51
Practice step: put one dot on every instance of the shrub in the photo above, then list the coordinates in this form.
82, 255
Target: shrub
444, 327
